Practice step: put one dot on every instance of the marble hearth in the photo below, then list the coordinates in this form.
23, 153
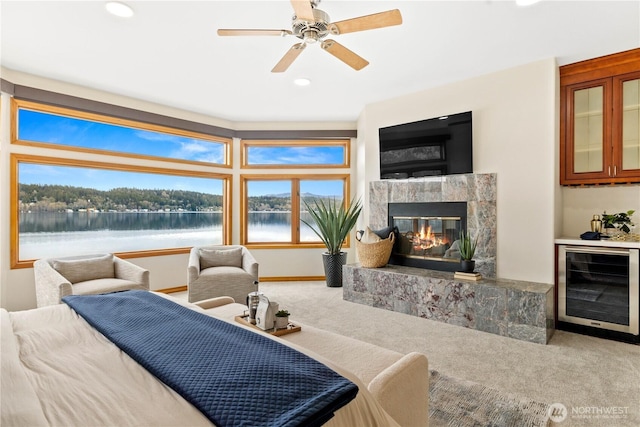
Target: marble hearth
477, 190
515, 309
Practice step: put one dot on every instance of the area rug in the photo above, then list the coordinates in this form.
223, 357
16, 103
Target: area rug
459, 403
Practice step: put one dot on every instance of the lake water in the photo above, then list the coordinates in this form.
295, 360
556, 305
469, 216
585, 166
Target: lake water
44, 235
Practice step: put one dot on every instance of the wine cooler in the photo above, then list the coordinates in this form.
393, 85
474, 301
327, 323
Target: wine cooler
598, 288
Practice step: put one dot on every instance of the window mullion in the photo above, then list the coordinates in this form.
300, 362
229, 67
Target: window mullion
295, 210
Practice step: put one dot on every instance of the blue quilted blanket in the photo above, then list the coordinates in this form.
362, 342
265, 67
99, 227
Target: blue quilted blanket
233, 376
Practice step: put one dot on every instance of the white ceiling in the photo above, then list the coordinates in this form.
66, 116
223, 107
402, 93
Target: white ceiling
169, 52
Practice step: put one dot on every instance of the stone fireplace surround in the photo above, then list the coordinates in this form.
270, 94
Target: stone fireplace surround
477, 190
515, 309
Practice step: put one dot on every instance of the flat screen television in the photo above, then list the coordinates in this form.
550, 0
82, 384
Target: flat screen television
433, 147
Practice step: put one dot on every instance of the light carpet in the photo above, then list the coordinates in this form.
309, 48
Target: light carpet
459, 403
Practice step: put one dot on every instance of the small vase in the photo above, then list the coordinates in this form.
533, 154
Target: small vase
282, 322
467, 265
613, 231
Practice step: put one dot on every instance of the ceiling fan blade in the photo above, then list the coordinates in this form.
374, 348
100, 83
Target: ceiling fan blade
288, 58
368, 22
345, 55
303, 10
240, 32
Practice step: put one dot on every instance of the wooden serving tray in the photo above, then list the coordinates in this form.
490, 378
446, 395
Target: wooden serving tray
291, 328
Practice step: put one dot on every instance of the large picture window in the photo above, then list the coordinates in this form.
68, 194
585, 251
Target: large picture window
64, 207
273, 207
55, 127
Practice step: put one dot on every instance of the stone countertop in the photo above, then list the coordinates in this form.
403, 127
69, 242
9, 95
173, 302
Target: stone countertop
604, 243
519, 285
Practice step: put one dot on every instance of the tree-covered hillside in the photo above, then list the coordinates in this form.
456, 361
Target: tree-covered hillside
60, 198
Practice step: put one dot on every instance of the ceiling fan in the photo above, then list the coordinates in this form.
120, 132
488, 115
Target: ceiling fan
312, 25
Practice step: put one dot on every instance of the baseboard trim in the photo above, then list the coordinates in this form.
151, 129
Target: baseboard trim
292, 279
172, 290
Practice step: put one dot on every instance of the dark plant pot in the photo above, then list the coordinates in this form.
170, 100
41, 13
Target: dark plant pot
467, 265
333, 268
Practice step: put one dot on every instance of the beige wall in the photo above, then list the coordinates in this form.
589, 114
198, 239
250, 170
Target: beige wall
580, 204
514, 131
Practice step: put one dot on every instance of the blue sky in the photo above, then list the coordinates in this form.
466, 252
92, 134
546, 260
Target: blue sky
296, 155
46, 127
319, 188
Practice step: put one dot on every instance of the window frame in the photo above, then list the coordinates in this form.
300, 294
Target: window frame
295, 208
16, 159
245, 144
17, 104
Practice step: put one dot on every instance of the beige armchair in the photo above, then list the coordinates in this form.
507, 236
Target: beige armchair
83, 275
221, 270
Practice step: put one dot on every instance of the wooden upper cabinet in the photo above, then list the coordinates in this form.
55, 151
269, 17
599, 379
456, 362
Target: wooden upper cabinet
600, 120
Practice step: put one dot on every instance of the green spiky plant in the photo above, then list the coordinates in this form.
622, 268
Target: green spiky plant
467, 246
333, 221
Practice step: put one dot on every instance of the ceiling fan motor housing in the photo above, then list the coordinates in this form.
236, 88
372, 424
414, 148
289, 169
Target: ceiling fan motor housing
311, 32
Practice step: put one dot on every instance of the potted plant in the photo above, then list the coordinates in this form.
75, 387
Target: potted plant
620, 221
332, 222
467, 251
282, 319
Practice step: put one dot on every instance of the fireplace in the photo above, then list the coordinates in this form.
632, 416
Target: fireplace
478, 192
428, 234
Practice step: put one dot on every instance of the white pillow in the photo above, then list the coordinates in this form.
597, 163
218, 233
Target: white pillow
369, 236
81, 270
220, 258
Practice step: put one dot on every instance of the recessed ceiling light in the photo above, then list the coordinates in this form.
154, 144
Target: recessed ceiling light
119, 9
302, 82
526, 2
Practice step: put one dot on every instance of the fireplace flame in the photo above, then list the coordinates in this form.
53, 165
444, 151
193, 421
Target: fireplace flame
426, 239
427, 235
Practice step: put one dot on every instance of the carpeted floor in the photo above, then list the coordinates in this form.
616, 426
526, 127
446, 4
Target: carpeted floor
591, 377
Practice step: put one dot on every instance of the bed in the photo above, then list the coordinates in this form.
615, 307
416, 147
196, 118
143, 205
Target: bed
57, 369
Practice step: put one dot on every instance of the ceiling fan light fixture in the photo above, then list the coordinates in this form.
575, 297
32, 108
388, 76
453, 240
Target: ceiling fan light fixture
302, 81
119, 9
310, 37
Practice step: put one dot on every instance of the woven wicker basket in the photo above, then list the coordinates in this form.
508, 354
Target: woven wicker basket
374, 254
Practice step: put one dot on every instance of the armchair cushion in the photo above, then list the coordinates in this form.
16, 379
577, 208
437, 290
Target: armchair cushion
81, 270
220, 258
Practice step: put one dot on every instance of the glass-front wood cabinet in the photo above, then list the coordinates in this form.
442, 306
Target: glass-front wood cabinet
600, 120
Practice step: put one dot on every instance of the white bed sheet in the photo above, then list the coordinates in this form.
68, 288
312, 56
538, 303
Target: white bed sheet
57, 370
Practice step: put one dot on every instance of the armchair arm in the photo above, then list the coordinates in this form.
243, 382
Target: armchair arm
193, 270
51, 286
249, 264
214, 302
129, 271
403, 390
